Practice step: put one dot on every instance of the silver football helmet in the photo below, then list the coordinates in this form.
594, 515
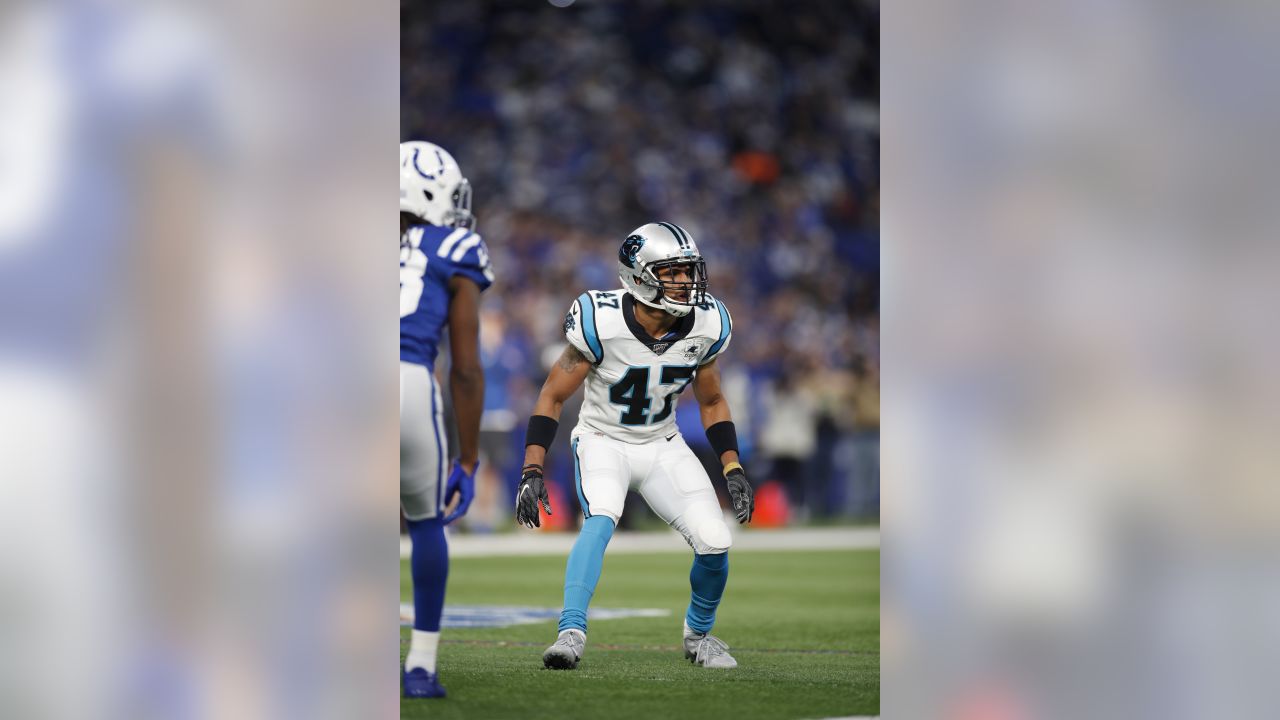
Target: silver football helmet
432, 186
653, 247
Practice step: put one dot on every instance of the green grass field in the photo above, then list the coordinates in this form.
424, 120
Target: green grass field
804, 627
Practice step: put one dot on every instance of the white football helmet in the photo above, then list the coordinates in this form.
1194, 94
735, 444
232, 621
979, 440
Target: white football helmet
432, 186
652, 247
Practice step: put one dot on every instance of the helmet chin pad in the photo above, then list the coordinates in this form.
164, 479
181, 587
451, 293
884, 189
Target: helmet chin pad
661, 302
676, 309
656, 302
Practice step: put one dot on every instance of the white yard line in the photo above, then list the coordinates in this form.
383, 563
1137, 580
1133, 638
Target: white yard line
524, 542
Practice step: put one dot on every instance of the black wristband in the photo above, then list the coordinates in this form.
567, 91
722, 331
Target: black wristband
723, 437
542, 431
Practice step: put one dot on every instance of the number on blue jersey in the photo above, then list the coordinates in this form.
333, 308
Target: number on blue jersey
413, 266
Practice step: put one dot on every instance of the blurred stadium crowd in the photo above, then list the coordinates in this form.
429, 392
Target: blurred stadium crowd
753, 124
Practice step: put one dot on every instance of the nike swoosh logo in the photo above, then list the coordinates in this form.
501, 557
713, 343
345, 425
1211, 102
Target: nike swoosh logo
671, 436
522, 489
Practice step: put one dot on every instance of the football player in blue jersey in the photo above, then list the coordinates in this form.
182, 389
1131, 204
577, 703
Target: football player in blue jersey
444, 266
636, 349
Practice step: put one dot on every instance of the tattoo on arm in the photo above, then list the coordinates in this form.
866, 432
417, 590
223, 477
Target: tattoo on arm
570, 358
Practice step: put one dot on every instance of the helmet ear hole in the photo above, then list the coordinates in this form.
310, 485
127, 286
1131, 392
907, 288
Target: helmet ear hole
428, 195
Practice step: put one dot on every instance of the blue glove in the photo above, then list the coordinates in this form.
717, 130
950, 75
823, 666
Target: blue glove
462, 483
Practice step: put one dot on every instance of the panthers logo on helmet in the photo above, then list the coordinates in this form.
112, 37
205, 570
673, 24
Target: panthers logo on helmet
569, 322
630, 247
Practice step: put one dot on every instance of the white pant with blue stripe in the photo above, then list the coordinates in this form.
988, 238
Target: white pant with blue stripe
423, 443
667, 475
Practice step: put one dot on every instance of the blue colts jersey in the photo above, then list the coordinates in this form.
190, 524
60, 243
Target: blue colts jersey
429, 257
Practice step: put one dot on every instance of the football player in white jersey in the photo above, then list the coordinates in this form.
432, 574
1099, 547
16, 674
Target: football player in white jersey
637, 349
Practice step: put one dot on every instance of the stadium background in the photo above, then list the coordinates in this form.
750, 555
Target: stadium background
752, 124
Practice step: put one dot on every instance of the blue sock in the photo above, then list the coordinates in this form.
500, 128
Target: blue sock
582, 572
706, 580
429, 563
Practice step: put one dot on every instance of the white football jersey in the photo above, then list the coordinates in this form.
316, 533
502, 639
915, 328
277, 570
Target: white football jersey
635, 381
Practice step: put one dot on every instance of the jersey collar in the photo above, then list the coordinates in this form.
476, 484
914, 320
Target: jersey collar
680, 329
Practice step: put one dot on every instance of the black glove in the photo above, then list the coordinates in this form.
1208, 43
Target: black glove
744, 500
532, 490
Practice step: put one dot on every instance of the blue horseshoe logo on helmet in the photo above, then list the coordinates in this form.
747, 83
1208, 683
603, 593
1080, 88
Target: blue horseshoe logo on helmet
630, 247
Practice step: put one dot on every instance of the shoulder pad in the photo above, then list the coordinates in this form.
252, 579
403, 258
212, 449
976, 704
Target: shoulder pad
719, 326
581, 327
463, 252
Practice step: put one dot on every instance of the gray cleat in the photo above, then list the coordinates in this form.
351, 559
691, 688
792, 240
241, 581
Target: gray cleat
708, 651
565, 653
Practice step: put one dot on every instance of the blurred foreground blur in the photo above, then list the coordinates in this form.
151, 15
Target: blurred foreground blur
1081, 390
195, 411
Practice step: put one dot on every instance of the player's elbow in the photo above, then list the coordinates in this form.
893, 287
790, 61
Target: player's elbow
550, 401
710, 402
553, 403
467, 377
714, 411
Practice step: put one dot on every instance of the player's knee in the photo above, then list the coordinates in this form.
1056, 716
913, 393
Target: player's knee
600, 526
712, 537
603, 515
418, 506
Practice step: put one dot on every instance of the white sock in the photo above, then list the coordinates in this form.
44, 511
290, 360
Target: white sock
422, 651
688, 631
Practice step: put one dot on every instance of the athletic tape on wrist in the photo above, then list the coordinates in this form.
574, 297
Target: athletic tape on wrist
542, 431
723, 437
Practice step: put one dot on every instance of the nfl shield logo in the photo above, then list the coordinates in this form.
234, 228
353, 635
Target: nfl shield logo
661, 347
